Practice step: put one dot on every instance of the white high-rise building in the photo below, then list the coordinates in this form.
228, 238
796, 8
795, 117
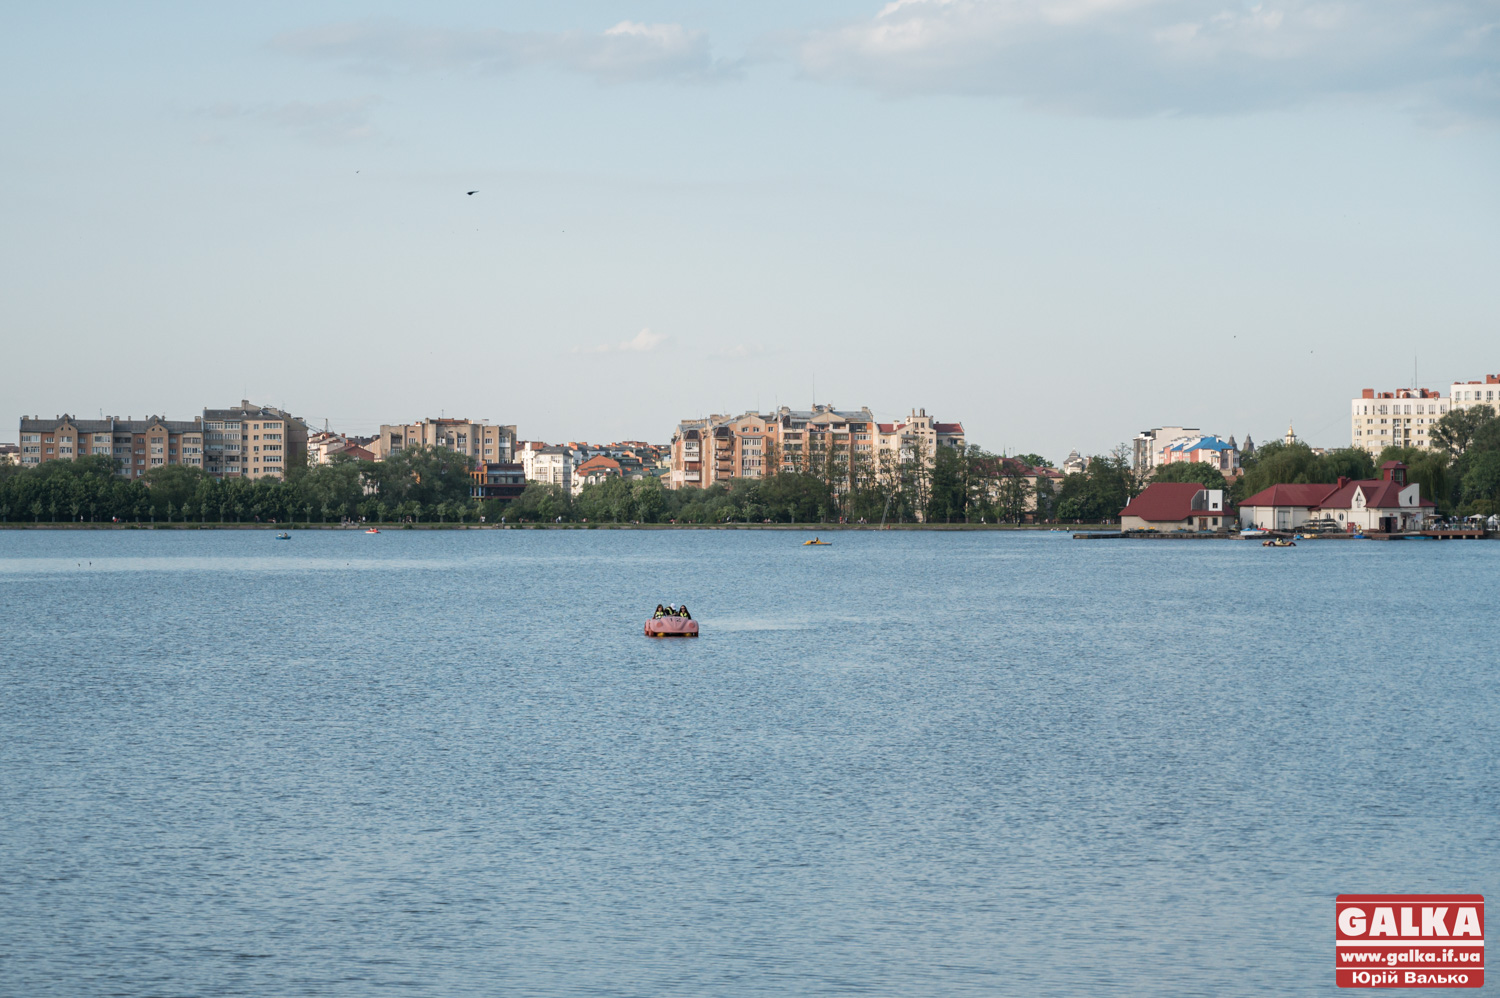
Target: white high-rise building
1402, 418
1464, 394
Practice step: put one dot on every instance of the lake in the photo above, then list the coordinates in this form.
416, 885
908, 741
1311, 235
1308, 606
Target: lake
449, 763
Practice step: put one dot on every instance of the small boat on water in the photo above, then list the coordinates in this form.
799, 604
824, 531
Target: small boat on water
671, 627
671, 622
283, 537
815, 542
373, 530
1278, 542
1251, 532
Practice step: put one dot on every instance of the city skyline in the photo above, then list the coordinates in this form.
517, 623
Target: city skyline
684, 210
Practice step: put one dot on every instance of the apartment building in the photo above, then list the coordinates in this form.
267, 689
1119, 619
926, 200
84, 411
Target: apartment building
1209, 450
751, 445
134, 445
1401, 418
548, 464
1149, 448
325, 445
1464, 394
485, 442
252, 441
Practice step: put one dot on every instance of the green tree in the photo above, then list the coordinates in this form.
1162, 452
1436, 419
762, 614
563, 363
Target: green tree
648, 500
1456, 430
1481, 481
1191, 471
173, 486
1012, 492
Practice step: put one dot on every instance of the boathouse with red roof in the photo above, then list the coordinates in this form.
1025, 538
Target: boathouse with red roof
1174, 506
1389, 504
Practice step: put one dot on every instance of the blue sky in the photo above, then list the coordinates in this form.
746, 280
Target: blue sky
1058, 222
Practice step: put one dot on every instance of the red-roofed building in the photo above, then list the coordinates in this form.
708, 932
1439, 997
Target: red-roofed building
1388, 504
595, 470
1170, 506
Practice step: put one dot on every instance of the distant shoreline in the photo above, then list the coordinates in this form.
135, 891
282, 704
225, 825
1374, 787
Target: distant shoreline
385, 527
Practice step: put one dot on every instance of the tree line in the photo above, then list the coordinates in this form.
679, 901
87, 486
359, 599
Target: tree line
426, 485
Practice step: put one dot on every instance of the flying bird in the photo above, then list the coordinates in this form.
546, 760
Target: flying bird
473, 192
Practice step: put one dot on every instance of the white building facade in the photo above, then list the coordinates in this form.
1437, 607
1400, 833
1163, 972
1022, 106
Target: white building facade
1401, 418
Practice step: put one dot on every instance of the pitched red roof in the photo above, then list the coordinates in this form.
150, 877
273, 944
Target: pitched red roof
1378, 495
948, 427
1167, 501
1327, 495
599, 463
1309, 494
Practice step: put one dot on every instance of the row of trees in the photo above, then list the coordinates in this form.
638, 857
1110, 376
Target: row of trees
433, 485
419, 484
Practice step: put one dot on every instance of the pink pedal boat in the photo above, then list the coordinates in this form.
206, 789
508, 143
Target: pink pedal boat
671, 627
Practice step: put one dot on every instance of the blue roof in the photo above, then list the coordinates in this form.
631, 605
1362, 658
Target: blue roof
1203, 443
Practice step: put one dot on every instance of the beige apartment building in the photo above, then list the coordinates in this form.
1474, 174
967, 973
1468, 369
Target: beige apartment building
752, 445
252, 441
134, 445
1400, 418
485, 442
1464, 394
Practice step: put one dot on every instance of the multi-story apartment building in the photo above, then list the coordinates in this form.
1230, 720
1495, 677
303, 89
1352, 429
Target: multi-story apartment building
751, 445
325, 445
548, 464
1171, 444
485, 442
1401, 418
1464, 394
1149, 448
1209, 450
134, 445
252, 441
919, 434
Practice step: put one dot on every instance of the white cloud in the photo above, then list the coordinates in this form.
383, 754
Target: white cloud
1166, 56
628, 52
642, 342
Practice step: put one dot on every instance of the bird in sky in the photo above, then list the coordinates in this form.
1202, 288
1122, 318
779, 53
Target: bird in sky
473, 192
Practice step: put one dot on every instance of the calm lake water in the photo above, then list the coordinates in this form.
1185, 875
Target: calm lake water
448, 763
